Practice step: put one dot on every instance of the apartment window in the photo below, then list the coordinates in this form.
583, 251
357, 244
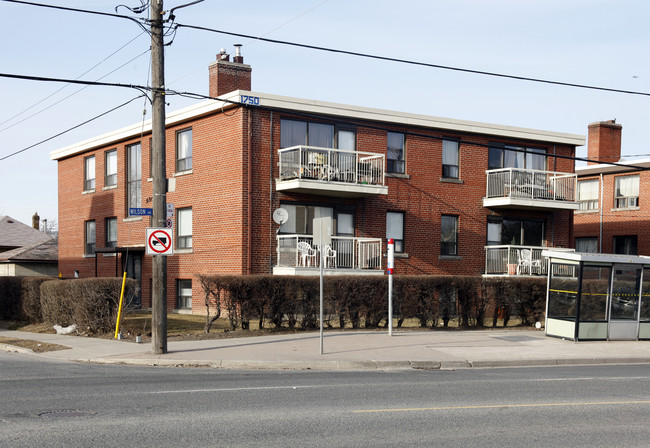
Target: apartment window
89, 173
450, 159
449, 235
301, 133
89, 238
395, 229
500, 156
395, 153
587, 244
184, 294
515, 232
184, 150
184, 220
626, 245
111, 232
588, 194
627, 192
110, 164
301, 218
134, 175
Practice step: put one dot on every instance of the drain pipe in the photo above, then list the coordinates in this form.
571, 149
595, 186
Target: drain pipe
602, 192
249, 194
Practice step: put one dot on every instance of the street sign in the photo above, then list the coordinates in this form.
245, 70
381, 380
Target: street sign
169, 223
159, 242
139, 211
170, 211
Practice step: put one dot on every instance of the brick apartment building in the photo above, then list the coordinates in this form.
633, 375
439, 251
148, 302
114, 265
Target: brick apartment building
613, 197
457, 197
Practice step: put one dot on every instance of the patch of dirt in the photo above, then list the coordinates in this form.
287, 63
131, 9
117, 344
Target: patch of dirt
35, 346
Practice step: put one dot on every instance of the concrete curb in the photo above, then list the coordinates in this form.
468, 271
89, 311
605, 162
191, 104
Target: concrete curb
15, 349
359, 365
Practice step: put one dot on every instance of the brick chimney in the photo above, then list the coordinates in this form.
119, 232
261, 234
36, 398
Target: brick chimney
226, 76
36, 221
604, 142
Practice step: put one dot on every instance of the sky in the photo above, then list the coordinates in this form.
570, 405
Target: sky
601, 43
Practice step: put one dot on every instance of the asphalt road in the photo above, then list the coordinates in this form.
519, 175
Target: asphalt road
53, 404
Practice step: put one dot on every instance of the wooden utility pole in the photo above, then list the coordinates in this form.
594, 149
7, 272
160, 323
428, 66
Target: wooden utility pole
159, 175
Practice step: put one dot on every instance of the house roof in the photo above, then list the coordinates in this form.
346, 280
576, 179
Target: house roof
41, 252
14, 233
240, 97
631, 165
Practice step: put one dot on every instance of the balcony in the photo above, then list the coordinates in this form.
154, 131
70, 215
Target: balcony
517, 260
297, 255
519, 188
331, 172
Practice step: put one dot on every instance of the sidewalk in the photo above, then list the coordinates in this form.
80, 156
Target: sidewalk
351, 350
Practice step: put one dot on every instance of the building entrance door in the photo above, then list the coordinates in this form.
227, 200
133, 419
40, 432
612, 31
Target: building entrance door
134, 271
624, 302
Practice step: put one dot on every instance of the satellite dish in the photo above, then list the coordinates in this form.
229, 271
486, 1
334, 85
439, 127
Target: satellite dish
280, 216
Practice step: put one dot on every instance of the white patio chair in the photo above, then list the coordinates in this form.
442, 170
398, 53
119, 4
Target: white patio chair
307, 254
330, 256
526, 263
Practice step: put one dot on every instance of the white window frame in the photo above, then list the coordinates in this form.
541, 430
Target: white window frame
184, 228
89, 173
450, 159
395, 229
626, 192
184, 150
133, 176
588, 194
395, 153
110, 168
183, 298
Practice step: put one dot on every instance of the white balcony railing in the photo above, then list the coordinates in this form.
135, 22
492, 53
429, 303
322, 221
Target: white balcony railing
298, 251
531, 184
332, 165
516, 260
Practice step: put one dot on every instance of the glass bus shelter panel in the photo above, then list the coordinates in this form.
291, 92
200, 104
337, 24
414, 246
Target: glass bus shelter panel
644, 325
625, 293
562, 301
593, 303
593, 298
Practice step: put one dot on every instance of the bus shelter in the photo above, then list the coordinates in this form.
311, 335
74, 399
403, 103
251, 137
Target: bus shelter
597, 296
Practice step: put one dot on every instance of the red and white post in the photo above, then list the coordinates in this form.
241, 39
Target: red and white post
390, 261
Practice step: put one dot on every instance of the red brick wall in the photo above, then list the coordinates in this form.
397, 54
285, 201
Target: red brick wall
217, 189
616, 222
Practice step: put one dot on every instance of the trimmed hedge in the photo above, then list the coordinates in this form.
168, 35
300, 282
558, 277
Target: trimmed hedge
362, 300
20, 298
91, 304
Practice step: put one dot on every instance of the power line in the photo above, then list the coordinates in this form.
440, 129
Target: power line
142, 89
417, 63
70, 129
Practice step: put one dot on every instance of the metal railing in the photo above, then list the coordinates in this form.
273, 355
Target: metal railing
531, 184
343, 253
514, 260
332, 165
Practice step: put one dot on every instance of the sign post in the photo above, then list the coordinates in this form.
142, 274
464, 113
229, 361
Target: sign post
322, 237
389, 265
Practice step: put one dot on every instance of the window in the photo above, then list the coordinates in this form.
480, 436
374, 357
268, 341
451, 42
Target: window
134, 176
587, 244
111, 232
110, 165
395, 229
184, 150
500, 156
301, 218
301, 133
449, 235
627, 192
515, 232
626, 245
89, 238
588, 194
395, 158
89, 173
184, 294
184, 237
450, 159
